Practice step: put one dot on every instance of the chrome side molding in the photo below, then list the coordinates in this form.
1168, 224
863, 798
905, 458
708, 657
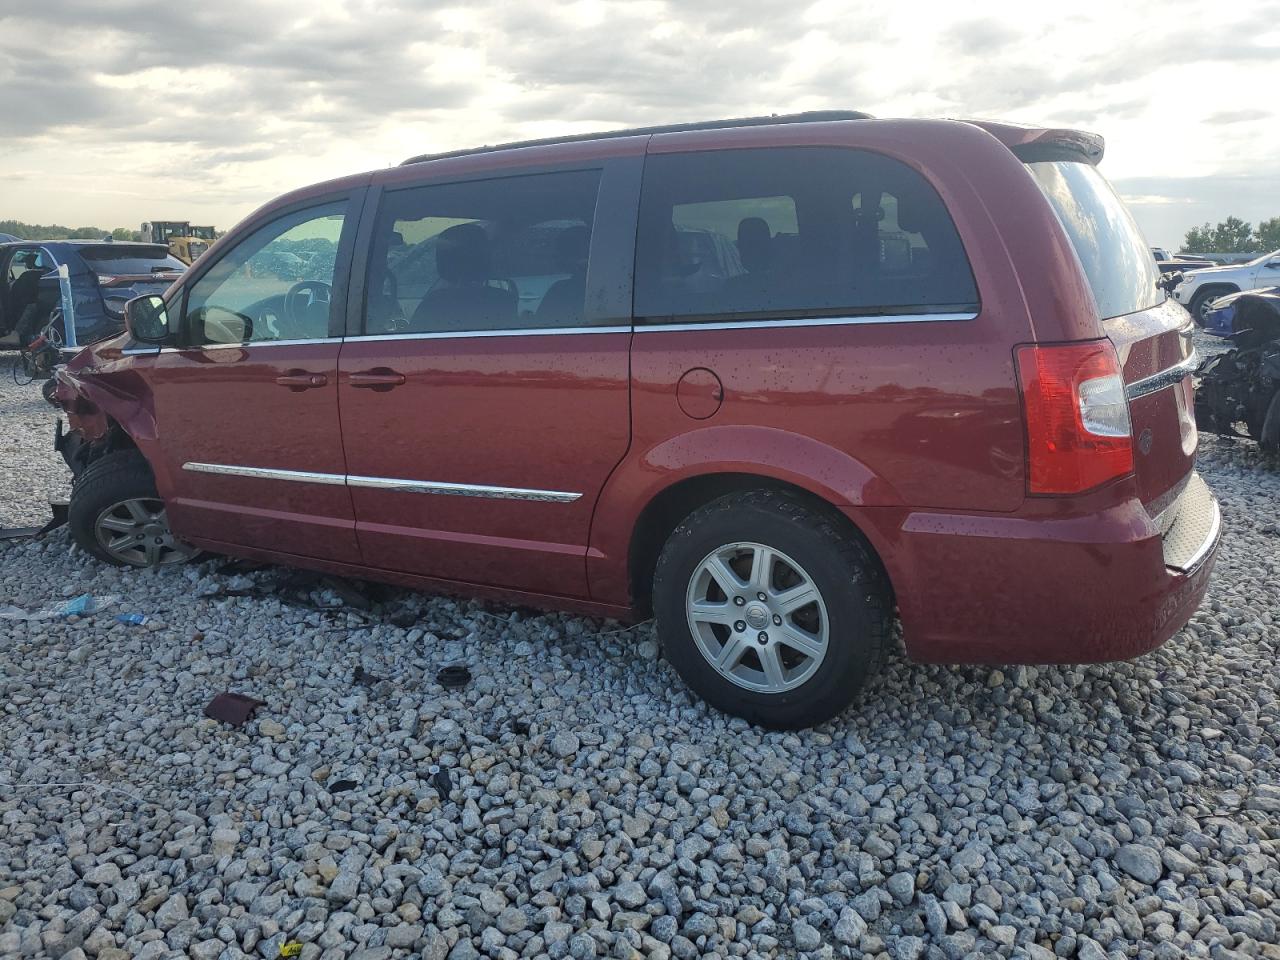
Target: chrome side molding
482, 491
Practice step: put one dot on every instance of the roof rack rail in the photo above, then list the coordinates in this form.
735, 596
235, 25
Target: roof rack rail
811, 116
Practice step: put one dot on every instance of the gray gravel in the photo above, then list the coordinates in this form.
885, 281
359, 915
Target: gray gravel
596, 809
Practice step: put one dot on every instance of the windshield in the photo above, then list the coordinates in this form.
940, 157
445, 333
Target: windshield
1116, 259
1263, 259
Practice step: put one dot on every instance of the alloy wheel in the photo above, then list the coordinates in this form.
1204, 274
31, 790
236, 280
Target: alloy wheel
757, 617
136, 532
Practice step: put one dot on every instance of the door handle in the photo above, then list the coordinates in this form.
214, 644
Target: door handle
301, 380
379, 378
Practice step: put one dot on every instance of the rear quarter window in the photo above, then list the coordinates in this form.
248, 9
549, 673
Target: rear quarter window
794, 233
1117, 262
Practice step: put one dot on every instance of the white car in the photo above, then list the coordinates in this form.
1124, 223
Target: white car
1199, 288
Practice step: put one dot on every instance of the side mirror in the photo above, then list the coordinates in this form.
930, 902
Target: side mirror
147, 320
1274, 264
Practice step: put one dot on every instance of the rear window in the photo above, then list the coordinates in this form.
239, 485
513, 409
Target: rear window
120, 260
794, 233
1116, 259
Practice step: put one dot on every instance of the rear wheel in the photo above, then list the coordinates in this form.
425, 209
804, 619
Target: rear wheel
770, 610
116, 515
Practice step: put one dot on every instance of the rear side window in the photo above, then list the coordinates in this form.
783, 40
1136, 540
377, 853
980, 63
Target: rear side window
503, 254
794, 233
1116, 260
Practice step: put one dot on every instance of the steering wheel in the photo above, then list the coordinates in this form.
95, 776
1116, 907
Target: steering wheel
316, 291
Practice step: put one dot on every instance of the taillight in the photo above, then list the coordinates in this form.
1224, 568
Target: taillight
1078, 430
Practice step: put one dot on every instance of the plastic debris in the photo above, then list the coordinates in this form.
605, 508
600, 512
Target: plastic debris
79, 606
453, 676
58, 509
362, 676
342, 786
441, 780
134, 619
291, 948
232, 708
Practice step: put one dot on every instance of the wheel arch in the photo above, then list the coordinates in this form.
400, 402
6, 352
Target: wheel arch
666, 509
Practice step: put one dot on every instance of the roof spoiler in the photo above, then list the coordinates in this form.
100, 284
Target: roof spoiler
1071, 145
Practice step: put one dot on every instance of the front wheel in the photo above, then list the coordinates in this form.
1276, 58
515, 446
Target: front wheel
770, 610
1202, 301
116, 515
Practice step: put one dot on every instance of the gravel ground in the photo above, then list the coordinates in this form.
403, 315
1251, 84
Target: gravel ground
593, 808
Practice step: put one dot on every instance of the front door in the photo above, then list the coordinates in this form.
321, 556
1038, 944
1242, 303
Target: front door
247, 411
485, 402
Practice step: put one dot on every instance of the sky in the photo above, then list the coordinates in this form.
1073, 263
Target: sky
119, 111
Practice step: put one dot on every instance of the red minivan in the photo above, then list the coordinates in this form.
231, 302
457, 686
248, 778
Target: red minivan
773, 381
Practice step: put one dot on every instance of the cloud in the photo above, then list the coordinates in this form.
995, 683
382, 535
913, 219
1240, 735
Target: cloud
219, 106
1223, 117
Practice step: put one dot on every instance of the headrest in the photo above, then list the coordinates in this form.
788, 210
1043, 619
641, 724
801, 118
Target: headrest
462, 254
573, 244
755, 243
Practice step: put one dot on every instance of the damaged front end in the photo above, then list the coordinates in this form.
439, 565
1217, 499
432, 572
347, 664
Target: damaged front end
99, 393
1241, 387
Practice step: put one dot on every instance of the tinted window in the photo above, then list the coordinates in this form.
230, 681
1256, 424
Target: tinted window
279, 279
500, 254
1116, 260
130, 260
794, 233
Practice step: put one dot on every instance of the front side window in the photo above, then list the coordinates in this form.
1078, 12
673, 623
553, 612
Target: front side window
793, 233
503, 254
276, 284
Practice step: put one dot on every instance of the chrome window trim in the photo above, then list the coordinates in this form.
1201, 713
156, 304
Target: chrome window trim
574, 331
483, 491
1165, 378
808, 322
480, 334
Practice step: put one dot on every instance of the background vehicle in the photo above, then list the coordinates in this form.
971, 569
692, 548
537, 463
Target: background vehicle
767, 379
1242, 385
1199, 288
100, 278
186, 242
1169, 263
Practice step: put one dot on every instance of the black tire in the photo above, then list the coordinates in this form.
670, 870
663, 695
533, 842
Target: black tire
117, 477
1269, 435
1201, 300
839, 563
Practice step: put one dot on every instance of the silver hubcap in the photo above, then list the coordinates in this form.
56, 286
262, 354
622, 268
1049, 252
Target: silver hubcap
757, 617
137, 532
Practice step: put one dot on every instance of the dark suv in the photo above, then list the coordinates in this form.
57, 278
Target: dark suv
767, 380
99, 279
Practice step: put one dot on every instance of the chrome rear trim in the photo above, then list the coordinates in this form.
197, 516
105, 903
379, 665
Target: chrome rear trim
482, 491
1165, 378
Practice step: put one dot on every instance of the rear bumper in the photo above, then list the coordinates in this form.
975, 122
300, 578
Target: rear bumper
1052, 586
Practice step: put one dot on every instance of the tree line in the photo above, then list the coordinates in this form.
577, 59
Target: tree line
1234, 235
54, 231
